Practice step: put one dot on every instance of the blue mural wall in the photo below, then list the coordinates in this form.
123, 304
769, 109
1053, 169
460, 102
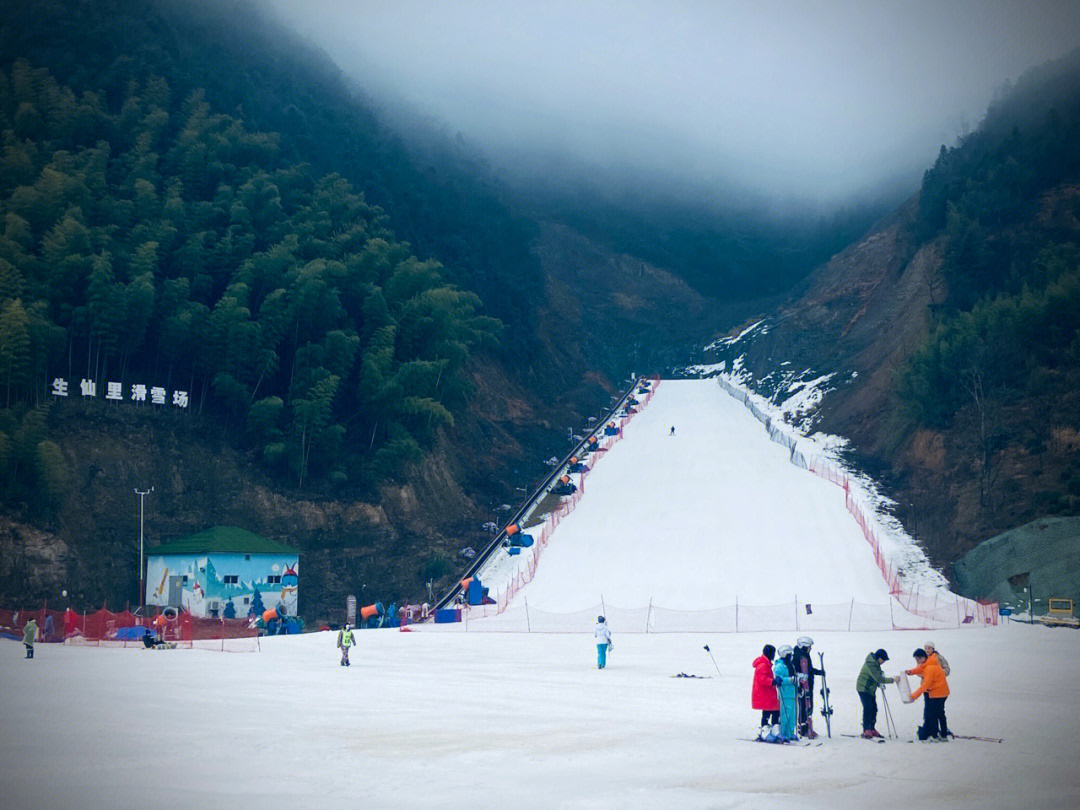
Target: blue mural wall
206, 584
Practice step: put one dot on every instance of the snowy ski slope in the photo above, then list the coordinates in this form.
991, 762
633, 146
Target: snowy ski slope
714, 514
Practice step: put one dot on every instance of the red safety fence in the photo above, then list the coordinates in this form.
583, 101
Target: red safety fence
953, 608
103, 628
796, 616
938, 610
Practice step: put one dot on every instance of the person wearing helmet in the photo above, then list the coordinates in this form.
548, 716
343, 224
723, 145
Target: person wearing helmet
763, 696
784, 679
345, 640
870, 679
602, 633
804, 677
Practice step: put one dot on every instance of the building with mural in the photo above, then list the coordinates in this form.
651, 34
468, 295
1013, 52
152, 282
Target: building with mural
224, 572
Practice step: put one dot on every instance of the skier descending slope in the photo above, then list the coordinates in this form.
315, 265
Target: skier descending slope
603, 642
764, 696
784, 678
804, 674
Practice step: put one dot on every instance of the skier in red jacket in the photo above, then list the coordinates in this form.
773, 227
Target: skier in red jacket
764, 696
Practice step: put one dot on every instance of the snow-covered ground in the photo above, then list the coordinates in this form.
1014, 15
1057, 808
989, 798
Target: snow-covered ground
523, 721
712, 514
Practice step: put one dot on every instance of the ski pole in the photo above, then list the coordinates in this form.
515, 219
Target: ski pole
890, 726
713, 660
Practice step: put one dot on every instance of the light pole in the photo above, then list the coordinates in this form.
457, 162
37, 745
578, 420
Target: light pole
141, 494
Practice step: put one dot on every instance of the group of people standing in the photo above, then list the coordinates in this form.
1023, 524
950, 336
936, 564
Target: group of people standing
783, 691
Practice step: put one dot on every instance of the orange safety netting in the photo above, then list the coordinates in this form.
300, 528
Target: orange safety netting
175, 629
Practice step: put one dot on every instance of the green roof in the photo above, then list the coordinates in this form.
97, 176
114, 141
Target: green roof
223, 539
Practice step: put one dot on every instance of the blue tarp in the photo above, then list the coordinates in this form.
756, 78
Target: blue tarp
129, 633
476, 593
447, 615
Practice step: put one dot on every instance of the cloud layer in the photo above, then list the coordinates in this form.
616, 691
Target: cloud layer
794, 99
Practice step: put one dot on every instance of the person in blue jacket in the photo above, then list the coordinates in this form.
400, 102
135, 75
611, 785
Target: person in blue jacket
784, 678
603, 641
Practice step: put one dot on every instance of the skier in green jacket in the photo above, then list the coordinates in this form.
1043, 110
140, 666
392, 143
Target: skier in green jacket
29, 633
871, 678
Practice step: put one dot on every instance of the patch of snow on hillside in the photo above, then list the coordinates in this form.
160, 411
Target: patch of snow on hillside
899, 547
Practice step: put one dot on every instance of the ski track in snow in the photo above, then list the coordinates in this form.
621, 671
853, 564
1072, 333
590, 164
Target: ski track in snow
697, 520
712, 515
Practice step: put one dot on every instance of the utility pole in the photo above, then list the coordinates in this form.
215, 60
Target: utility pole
142, 590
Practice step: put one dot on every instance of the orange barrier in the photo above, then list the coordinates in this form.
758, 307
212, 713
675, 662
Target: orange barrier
104, 628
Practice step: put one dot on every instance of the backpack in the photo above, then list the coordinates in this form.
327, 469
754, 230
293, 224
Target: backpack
944, 664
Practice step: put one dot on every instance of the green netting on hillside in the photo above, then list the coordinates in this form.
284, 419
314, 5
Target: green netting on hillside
1047, 550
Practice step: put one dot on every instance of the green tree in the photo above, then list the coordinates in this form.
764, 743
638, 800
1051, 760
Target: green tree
14, 348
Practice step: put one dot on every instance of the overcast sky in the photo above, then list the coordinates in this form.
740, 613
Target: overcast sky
796, 99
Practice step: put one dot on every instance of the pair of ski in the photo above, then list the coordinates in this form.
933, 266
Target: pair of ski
973, 737
798, 743
861, 737
954, 736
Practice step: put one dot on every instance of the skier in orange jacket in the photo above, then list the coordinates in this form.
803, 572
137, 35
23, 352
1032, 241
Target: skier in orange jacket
935, 687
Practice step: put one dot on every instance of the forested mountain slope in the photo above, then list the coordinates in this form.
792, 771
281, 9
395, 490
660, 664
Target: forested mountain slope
204, 286
954, 328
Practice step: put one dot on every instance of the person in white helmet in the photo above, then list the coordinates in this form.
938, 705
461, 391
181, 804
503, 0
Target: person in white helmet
784, 679
603, 641
804, 676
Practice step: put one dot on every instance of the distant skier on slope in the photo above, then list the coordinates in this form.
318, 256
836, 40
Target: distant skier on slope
763, 695
603, 641
345, 640
804, 674
870, 679
784, 679
672, 431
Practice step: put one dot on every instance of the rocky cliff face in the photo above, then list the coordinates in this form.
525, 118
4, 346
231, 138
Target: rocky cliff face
860, 317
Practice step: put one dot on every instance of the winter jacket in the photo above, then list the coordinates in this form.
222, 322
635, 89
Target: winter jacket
763, 696
29, 632
602, 633
787, 681
870, 676
345, 638
941, 662
933, 680
805, 666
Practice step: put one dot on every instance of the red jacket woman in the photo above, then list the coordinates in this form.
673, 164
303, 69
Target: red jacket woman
764, 696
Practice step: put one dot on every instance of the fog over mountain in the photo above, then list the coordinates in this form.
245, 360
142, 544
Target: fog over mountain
791, 100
